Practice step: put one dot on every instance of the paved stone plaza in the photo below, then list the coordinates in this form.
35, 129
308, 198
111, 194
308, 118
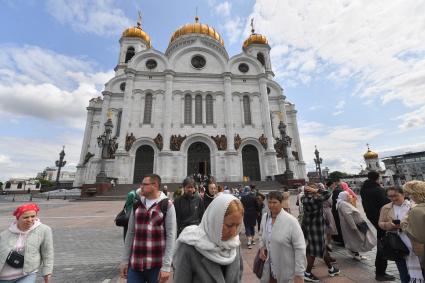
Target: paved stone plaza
88, 244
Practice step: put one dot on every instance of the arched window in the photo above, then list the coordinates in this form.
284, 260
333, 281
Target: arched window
8, 185
37, 186
246, 110
188, 109
209, 109
260, 57
147, 114
198, 109
130, 53
19, 185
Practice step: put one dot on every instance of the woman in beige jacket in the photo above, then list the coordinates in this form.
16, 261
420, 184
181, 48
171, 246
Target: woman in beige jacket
389, 220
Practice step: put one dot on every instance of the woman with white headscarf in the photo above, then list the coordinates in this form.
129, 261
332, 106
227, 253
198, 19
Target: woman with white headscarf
357, 234
210, 252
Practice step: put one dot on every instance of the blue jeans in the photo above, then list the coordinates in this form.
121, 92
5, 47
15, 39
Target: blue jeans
30, 278
402, 269
145, 276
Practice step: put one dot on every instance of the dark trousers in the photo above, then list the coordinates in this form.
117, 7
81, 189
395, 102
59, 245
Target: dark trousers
380, 262
145, 276
402, 269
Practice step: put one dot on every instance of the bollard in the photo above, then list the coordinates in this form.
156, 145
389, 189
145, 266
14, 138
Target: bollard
30, 197
64, 197
48, 196
13, 198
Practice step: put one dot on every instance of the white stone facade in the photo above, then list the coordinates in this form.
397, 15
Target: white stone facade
168, 84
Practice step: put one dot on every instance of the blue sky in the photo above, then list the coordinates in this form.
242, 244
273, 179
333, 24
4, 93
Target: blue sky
354, 69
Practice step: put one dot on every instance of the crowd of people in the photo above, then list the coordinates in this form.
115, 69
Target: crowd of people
193, 236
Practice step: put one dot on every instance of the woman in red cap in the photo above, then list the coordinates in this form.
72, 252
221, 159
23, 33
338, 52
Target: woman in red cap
26, 247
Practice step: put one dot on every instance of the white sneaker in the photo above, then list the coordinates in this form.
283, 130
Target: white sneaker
359, 257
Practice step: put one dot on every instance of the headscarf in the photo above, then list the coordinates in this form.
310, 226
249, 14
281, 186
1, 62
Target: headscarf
347, 189
206, 237
24, 208
343, 196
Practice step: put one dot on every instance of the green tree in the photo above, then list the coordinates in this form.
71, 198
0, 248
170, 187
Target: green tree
336, 175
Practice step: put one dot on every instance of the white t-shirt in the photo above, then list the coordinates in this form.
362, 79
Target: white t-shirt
150, 202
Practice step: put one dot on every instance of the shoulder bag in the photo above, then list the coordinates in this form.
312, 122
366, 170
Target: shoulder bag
393, 247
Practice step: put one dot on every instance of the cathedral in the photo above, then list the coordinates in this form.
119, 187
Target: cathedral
190, 110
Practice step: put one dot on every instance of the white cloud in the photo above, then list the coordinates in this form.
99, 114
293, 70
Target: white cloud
232, 25
339, 107
57, 93
100, 17
223, 9
341, 147
369, 42
26, 157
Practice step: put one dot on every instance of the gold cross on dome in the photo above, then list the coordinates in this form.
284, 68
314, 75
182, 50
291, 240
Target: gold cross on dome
139, 18
252, 25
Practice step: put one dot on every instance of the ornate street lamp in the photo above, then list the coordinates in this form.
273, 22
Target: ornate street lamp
318, 160
60, 163
286, 142
108, 146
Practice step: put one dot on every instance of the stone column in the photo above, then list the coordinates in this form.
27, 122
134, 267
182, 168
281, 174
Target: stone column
126, 109
265, 113
168, 111
228, 118
87, 134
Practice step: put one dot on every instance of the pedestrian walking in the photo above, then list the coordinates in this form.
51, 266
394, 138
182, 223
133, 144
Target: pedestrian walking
330, 225
150, 240
355, 230
390, 218
210, 192
314, 230
131, 196
26, 247
251, 208
282, 244
210, 252
373, 199
189, 207
413, 224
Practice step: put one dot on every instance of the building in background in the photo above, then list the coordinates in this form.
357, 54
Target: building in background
191, 110
22, 185
406, 167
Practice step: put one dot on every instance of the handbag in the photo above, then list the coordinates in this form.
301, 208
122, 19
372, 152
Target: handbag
362, 226
15, 259
121, 220
258, 265
393, 247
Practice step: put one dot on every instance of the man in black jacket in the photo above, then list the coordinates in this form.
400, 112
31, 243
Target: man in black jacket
373, 199
189, 207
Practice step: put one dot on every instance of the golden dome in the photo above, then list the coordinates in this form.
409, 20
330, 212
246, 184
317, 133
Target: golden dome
138, 32
254, 38
197, 28
370, 155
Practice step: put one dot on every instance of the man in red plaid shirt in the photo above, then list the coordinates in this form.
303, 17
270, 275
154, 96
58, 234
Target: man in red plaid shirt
149, 244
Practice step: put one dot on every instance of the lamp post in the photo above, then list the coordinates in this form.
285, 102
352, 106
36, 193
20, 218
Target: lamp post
286, 142
108, 146
318, 160
396, 160
60, 163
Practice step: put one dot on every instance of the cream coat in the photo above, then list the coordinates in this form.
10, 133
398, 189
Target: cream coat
286, 248
354, 240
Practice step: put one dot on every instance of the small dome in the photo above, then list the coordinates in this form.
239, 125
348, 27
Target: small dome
255, 38
137, 32
197, 28
370, 155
